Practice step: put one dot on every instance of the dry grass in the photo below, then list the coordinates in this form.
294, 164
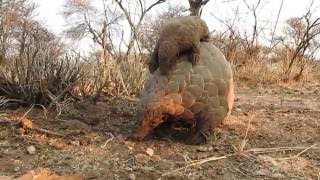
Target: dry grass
262, 71
39, 78
42, 79
127, 76
258, 73
114, 77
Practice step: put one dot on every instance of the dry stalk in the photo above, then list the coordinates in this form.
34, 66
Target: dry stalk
240, 147
122, 83
26, 113
278, 149
254, 150
108, 140
199, 162
297, 155
45, 131
45, 111
130, 98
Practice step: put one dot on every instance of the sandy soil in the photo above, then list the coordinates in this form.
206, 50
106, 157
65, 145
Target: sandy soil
273, 133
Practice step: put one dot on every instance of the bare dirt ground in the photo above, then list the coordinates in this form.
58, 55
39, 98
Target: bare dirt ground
273, 133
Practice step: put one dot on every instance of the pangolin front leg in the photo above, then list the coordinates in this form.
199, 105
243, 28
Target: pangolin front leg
202, 129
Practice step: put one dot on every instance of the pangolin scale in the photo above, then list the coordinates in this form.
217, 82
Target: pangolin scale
202, 94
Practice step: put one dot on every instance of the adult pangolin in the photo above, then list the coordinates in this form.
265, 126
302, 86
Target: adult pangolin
202, 94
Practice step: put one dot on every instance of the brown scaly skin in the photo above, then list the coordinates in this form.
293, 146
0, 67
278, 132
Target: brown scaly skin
153, 115
200, 95
151, 119
179, 35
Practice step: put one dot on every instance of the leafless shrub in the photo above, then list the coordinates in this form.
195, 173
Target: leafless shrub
302, 43
37, 78
117, 67
290, 56
37, 69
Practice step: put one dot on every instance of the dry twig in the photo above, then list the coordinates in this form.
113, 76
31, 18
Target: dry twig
107, 141
277, 149
199, 162
254, 150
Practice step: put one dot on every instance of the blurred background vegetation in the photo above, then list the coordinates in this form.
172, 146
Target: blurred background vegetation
38, 68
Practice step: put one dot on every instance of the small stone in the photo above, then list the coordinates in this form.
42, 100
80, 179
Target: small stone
237, 109
16, 169
147, 169
149, 151
31, 149
132, 176
128, 169
75, 143
272, 143
135, 168
204, 149
262, 172
6, 152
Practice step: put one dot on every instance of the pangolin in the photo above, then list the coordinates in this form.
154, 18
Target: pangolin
203, 94
179, 35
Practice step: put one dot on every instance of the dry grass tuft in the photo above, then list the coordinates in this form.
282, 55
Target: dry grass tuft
39, 78
114, 77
